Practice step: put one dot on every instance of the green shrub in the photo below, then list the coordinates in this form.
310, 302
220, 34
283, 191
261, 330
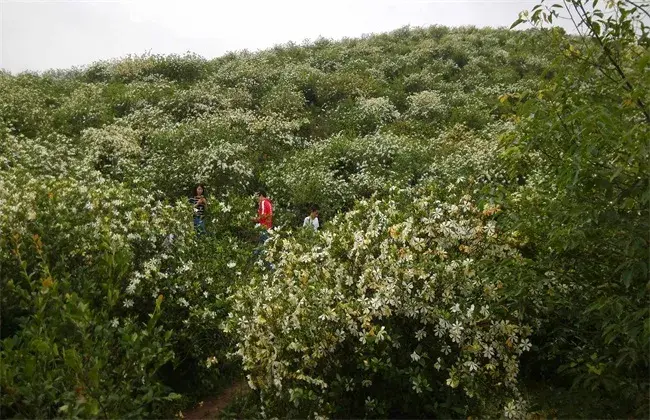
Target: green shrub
403, 296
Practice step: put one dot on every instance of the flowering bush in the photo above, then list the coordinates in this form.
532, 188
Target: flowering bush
393, 298
333, 172
284, 100
427, 105
84, 108
372, 113
205, 97
113, 150
481, 200
185, 68
22, 105
98, 275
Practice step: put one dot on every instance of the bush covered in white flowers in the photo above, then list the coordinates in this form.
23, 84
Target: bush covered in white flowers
482, 194
427, 105
107, 286
336, 171
112, 150
400, 296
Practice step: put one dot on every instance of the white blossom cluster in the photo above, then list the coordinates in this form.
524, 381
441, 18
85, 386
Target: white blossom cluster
425, 264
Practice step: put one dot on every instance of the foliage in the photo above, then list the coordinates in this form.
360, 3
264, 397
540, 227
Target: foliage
399, 296
484, 194
587, 197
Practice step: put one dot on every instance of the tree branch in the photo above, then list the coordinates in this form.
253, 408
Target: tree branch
638, 7
609, 56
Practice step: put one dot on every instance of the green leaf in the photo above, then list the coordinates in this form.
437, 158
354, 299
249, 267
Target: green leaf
173, 397
41, 346
30, 366
517, 23
93, 375
595, 27
627, 278
72, 360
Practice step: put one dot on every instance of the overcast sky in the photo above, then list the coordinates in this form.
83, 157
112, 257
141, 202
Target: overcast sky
45, 34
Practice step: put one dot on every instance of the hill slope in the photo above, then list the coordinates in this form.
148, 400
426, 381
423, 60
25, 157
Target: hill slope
483, 198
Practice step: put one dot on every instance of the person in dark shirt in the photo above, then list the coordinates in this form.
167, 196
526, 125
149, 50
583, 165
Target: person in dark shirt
200, 203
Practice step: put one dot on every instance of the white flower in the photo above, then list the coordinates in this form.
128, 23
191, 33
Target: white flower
525, 345
231, 264
115, 323
132, 286
488, 351
420, 334
128, 303
510, 410
185, 267
455, 331
472, 365
490, 229
415, 357
452, 382
441, 328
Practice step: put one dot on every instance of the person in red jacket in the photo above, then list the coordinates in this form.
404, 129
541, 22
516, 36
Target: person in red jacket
265, 210
265, 219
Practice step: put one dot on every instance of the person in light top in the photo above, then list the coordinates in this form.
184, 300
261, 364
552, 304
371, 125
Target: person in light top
312, 220
199, 203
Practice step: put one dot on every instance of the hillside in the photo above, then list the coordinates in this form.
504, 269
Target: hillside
483, 250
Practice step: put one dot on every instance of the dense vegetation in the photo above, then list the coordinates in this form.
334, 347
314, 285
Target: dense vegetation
484, 252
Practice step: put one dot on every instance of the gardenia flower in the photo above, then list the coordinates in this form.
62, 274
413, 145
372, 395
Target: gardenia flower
472, 365
488, 351
420, 334
131, 288
210, 361
510, 410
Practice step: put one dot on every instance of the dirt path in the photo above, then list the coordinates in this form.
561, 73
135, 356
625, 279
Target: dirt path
212, 407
